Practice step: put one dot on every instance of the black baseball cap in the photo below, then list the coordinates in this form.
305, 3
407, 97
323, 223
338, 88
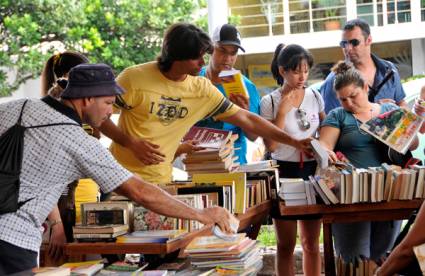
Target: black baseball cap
227, 34
91, 80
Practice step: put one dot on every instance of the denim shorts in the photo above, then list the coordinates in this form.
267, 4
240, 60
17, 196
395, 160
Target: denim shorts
371, 239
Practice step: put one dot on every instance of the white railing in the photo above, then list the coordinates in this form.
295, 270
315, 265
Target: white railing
269, 17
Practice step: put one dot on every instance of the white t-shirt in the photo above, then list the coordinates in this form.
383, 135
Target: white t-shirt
312, 104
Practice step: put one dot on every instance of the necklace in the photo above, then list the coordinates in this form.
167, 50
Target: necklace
357, 121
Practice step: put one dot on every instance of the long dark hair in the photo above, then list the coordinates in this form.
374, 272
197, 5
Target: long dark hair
290, 58
183, 41
346, 74
56, 67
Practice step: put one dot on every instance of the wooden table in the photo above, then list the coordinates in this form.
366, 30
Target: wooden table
252, 217
344, 213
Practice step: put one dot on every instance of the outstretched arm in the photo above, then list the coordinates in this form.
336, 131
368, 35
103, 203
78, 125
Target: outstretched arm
145, 151
403, 254
251, 122
159, 201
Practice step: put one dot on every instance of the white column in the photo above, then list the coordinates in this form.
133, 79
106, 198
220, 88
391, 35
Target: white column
351, 7
415, 8
218, 11
384, 13
286, 22
375, 13
418, 56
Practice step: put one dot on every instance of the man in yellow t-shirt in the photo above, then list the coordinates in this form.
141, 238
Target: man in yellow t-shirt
164, 99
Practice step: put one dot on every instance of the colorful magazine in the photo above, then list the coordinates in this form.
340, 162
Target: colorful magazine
396, 128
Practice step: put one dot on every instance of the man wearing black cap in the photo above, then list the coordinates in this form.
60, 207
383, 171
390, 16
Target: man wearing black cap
227, 42
56, 155
164, 99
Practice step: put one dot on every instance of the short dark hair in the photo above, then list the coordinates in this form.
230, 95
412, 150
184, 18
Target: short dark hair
290, 58
358, 22
183, 41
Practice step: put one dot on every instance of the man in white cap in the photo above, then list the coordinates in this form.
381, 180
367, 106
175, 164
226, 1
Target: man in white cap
227, 42
61, 151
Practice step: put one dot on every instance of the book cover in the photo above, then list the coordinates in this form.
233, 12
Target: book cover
145, 219
232, 82
396, 128
51, 271
208, 137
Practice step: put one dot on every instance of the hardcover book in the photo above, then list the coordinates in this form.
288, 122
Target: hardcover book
396, 128
208, 137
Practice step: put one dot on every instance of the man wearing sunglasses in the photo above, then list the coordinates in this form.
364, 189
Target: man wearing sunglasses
381, 75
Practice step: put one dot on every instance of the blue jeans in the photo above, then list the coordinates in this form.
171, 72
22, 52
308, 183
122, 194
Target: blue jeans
371, 239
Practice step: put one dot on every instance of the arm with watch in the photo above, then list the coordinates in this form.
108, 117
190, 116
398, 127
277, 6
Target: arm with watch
57, 234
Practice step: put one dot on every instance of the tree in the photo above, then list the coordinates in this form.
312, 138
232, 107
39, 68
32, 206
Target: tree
116, 32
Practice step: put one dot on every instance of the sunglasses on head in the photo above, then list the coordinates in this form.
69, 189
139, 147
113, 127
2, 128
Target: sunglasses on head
354, 42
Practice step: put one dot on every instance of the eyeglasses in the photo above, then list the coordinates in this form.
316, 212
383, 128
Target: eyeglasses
354, 42
303, 122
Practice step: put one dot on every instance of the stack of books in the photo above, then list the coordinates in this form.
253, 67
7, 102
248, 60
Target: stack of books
103, 221
218, 152
296, 191
239, 256
154, 236
99, 232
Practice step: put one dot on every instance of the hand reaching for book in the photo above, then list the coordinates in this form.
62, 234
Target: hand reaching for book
188, 147
220, 216
304, 145
147, 152
240, 100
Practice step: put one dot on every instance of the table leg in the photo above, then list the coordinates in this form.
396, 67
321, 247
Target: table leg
328, 250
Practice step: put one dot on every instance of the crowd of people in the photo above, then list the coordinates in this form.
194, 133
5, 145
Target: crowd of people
160, 101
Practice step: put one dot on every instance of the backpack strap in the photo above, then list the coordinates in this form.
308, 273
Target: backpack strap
271, 98
55, 124
22, 111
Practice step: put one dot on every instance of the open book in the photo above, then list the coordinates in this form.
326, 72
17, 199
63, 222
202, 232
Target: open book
232, 81
396, 128
208, 137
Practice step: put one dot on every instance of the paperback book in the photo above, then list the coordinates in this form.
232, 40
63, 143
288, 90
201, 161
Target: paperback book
396, 128
233, 83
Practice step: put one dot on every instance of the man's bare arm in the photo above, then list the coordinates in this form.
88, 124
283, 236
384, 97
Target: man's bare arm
251, 122
159, 201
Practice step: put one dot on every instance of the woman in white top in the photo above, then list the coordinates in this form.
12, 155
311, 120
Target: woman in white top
298, 111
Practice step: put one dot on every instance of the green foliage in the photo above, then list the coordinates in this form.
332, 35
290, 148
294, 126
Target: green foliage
116, 32
415, 77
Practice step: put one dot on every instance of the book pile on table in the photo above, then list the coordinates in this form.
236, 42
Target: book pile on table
218, 152
348, 185
103, 221
240, 256
359, 266
153, 236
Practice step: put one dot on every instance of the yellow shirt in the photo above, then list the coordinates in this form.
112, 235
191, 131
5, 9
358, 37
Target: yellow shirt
87, 191
162, 111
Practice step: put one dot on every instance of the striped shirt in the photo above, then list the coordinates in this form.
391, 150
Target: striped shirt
53, 157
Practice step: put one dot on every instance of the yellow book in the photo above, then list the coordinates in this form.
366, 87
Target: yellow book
233, 83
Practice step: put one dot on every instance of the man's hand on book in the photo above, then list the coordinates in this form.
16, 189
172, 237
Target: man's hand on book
304, 145
146, 152
220, 216
188, 147
240, 100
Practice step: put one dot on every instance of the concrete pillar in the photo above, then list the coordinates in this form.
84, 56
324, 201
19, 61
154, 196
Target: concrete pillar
418, 56
351, 7
415, 8
218, 11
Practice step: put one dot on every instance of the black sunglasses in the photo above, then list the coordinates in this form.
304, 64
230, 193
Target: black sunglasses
354, 42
